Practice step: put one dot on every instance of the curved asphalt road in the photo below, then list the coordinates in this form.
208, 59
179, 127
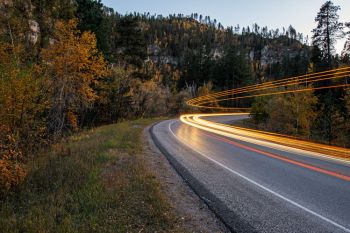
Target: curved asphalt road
254, 192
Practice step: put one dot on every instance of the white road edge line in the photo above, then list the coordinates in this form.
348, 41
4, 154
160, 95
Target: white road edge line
259, 185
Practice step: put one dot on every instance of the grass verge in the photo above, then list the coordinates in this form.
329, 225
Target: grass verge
95, 181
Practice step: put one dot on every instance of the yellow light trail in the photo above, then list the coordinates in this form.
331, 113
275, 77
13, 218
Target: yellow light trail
279, 83
268, 139
275, 93
324, 73
202, 101
299, 80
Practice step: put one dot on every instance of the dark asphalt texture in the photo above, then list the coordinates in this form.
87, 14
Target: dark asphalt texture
252, 192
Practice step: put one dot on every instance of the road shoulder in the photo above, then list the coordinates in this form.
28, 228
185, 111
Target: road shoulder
194, 213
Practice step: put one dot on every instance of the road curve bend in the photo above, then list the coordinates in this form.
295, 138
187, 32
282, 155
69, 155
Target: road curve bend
258, 182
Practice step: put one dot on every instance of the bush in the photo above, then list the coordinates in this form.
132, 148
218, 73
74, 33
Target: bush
11, 168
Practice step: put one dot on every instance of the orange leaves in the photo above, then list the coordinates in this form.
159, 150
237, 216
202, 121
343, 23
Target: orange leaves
11, 174
38, 100
73, 66
19, 89
73, 61
72, 120
11, 171
41, 99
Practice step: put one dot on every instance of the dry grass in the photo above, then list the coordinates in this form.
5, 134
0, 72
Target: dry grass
92, 182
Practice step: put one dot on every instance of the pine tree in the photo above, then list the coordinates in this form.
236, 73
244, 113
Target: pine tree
47, 12
328, 30
233, 69
131, 44
94, 17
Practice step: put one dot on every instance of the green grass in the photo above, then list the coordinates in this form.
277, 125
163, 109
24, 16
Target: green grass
95, 181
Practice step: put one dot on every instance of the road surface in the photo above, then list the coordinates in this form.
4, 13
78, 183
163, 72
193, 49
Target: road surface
258, 188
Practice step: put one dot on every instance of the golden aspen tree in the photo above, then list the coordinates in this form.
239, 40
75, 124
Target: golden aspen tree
20, 93
292, 113
73, 66
114, 100
11, 168
206, 89
21, 126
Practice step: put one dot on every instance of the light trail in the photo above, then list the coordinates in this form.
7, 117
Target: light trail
300, 154
266, 139
329, 72
341, 73
279, 83
275, 93
269, 190
283, 81
203, 101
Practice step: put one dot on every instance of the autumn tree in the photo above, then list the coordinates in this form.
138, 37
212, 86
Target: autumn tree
22, 96
259, 112
94, 17
347, 116
73, 65
115, 97
22, 112
292, 113
13, 23
11, 167
339, 133
148, 96
45, 13
21, 88
15, 115
206, 89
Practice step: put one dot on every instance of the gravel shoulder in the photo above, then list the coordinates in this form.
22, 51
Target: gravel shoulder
195, 216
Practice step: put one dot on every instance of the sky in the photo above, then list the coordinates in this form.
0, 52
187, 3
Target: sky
272, 13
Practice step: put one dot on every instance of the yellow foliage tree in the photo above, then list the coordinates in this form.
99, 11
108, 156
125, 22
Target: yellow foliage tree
73, 65
292, 113
206, 89
20, 106
11, 168
21, 97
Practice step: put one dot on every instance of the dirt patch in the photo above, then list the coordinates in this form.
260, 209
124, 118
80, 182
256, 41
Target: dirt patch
194, 213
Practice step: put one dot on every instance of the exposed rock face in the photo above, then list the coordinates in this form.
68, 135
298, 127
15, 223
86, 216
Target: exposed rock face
217, 53
52, 41
168, 60
272, 54
4, 6
154, 54
153, 50
34, 31
346, 50
31, 32
251, 55
163, 60
268, 55
7, 3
